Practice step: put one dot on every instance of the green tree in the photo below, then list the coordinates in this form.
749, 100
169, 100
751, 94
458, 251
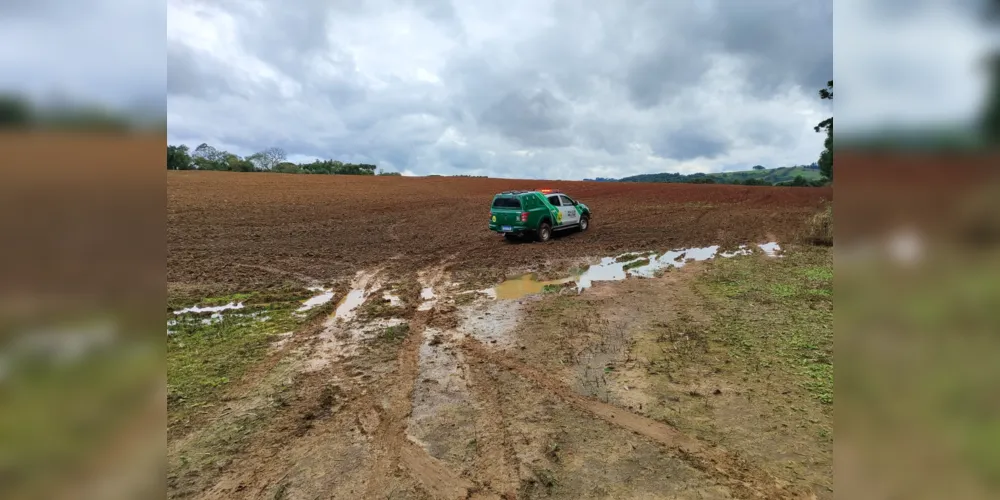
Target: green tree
826, 157
208, 158
758, 167
799, 181
14, 112
287, 167
178, 158
990, 119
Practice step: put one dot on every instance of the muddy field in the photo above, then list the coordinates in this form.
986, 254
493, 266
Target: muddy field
630, 366
245, 231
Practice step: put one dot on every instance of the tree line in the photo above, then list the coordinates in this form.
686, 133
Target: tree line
19, 113
206, 157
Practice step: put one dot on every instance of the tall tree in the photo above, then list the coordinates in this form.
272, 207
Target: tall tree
268, 158
178, 158
989, 120
208, 158
826, 157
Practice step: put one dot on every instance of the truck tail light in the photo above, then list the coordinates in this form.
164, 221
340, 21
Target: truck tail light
524, 216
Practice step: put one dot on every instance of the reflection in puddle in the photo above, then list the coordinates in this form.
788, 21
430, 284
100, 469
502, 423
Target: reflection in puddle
393, 300
350, 302
318, 300
360, 289
197, 309
619, 267
770, 249
427, 295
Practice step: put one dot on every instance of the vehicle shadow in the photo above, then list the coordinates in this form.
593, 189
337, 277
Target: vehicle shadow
530, 239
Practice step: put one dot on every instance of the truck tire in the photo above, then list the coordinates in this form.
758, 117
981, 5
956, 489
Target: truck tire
584, 223
544, 232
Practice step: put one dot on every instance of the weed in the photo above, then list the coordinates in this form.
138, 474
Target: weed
394, 333
783, 290
633, 265
204, 356
762, 316
627, 257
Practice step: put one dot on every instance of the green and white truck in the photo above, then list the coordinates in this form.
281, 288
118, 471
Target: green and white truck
515, 214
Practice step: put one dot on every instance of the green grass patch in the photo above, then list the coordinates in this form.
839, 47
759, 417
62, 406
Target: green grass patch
235, 298
627, 257
395, 333
777, 314
633, 265
205, 354
57, 413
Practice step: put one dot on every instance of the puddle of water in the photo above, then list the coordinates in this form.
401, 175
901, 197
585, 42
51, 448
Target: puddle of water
394, 301
350, 302
428, 297
317, 300
361, 287
609, 269
742, 250
770, 249
674, 258
620, 267
197, 309
522, 286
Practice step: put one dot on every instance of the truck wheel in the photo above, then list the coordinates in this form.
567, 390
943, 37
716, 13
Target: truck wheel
584, 223
544, 232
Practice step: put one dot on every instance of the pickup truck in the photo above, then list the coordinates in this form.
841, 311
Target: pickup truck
515, 214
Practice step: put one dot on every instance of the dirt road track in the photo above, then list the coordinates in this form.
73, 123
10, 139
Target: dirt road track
248, 231
743, 478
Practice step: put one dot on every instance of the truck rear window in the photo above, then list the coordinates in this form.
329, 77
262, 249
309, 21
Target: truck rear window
507, 203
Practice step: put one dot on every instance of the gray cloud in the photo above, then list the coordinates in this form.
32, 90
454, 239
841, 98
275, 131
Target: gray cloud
106, 51
690, 143
533, 120
522, 88
186, 75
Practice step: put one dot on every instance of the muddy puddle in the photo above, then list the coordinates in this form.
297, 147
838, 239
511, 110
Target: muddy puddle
361, 288
326, 295
620, 267
213, 309
428, 299
523, 286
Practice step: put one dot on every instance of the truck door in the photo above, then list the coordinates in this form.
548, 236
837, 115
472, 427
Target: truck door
568, 209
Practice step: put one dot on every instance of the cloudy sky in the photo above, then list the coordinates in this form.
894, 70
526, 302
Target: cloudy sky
515, 88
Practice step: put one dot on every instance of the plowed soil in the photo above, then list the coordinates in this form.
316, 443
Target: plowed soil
237, 231
649, 388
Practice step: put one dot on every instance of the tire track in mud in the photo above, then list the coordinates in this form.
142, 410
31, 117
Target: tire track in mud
389, 438
392, 446
744, 479
496, 461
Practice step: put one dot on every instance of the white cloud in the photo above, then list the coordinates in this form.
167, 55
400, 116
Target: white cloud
531, 88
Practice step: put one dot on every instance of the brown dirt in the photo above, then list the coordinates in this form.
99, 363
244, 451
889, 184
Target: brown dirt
481, 398
250, 231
